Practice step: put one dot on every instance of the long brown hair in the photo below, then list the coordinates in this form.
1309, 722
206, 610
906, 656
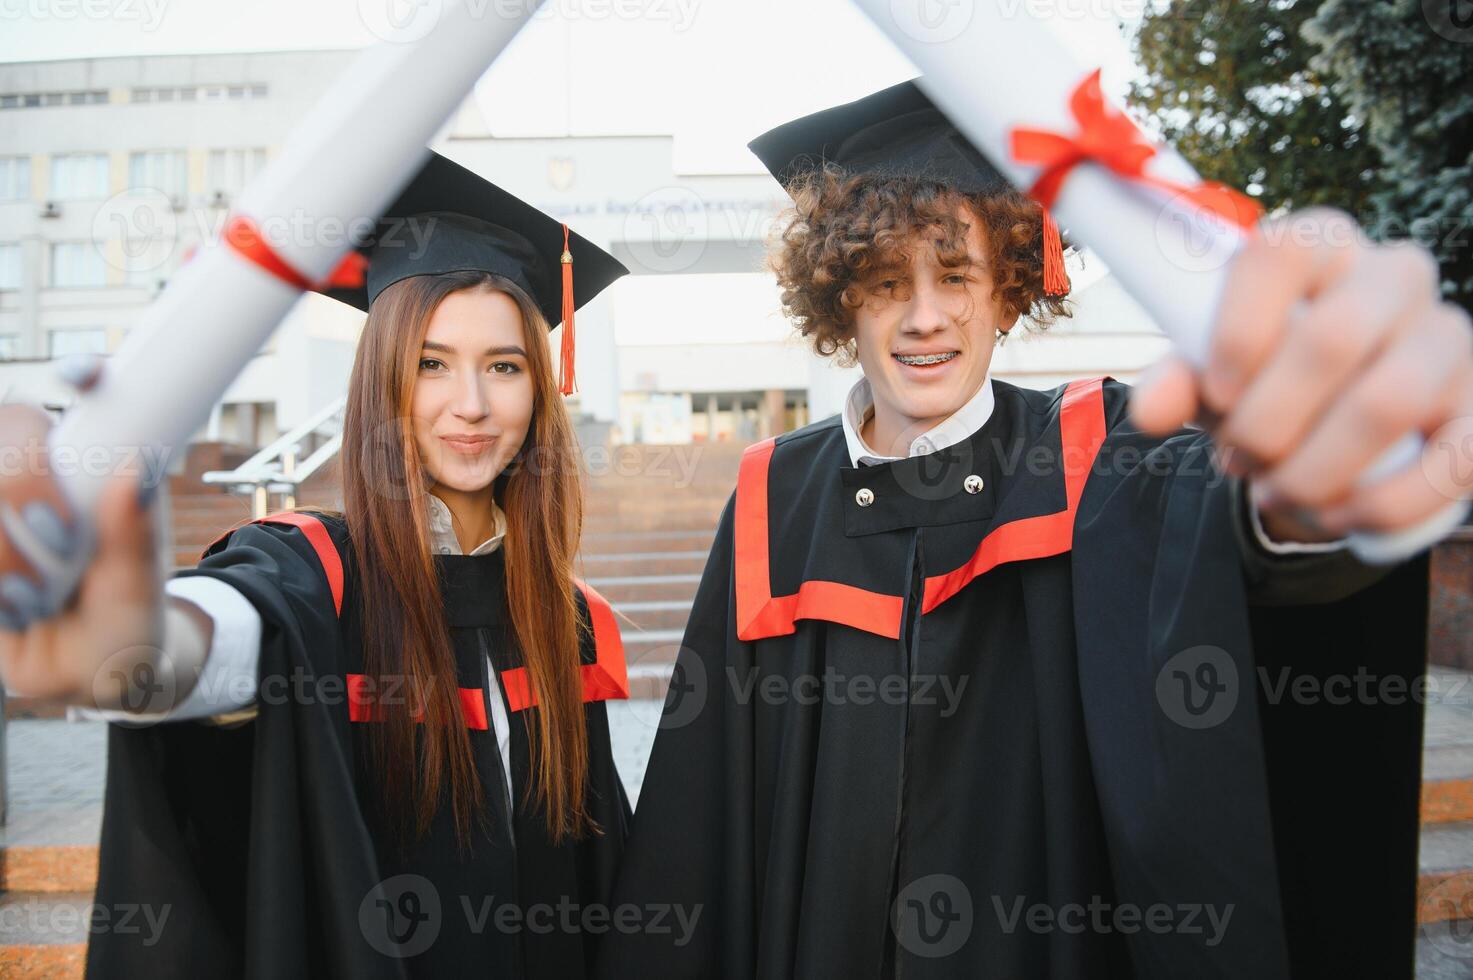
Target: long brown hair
404, 631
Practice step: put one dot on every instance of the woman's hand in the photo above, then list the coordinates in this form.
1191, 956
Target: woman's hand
1327, 351
96, 648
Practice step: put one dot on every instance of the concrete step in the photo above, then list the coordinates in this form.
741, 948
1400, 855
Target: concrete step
645, 588
48, 867
643, 563
1445, 881
660, 614
617, 542
1447, 784
44, 935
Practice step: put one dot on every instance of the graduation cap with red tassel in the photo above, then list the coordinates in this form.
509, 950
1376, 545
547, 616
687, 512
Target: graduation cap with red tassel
899, 132
449, 219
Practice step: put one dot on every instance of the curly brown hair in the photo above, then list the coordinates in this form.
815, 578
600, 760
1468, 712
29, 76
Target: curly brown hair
845, 229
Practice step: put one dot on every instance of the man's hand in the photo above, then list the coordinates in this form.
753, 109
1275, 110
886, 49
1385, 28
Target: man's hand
1328, 349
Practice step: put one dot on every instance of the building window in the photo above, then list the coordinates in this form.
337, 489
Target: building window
161, 170
10, 277
86, 340
15, 178
78, 176
77, 265
231, 170
9, 344
33, 100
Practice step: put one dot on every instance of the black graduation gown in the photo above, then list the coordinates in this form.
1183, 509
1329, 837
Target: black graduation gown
258, 840
1040, 728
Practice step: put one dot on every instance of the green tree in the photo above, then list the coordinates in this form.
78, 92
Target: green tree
1231, 86
1406, 68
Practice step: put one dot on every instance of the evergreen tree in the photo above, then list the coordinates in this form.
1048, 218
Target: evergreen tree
1231, 86
1406, 68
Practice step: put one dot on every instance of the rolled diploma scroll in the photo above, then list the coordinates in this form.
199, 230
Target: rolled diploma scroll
1170, 256
347, 159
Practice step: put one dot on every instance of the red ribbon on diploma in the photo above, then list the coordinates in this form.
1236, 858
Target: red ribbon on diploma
242, 234
1109, 138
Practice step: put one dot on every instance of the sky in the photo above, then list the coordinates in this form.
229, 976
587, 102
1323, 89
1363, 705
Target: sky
713, 73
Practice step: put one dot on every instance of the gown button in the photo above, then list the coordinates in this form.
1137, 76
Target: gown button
864, 497
973, 484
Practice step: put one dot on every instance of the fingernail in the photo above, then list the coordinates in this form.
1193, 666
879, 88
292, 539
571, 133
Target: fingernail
47, 525
79, 370
24, 596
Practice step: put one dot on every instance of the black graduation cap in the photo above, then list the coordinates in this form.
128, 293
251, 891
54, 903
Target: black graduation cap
895, 132
450, 219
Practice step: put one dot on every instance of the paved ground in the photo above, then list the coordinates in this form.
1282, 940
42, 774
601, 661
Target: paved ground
56, 777
57, 768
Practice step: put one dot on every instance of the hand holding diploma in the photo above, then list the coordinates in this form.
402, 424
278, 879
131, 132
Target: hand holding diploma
1329, 350
1329, 360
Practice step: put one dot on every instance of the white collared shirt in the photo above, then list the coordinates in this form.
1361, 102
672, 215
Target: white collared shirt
442, 529
965, 421
860, 405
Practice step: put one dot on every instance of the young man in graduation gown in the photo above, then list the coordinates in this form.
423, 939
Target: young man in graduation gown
983, 681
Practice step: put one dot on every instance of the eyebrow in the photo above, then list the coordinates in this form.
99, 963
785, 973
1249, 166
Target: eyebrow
490, 351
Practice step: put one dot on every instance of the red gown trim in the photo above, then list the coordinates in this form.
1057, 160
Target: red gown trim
362, 707
317, 536
760, 614
607, 678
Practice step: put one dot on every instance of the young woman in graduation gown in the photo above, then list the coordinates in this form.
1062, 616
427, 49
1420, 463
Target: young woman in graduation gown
374, 744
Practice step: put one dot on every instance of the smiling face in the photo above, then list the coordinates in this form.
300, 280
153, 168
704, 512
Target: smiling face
925, 334
472, 401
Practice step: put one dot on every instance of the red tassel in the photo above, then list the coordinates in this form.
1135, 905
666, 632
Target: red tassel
569, 382
1055, 279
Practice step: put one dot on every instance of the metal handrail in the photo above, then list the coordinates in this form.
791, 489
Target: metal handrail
274, 468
